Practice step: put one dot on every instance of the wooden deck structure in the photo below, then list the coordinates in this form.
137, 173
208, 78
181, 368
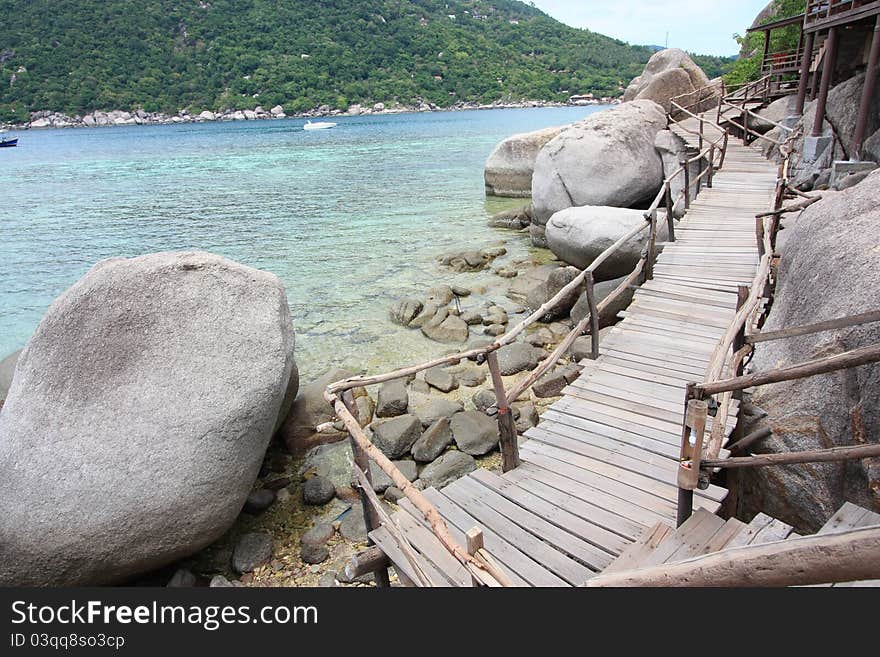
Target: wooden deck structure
599, 470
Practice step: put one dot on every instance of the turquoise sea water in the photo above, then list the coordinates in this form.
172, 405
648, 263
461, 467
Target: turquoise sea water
349, 218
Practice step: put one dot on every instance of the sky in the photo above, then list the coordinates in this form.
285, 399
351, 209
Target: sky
705, 27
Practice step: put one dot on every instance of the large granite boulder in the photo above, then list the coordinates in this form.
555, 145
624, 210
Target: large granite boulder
7, 370
139, 417
673, 151
578, 235
608, 316
842, 110
509, 168
665, 86
558, 279
671, 59
774, 113
606, 159
828, 270
310, 409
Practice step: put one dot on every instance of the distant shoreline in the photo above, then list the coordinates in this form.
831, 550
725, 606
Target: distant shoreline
99, 119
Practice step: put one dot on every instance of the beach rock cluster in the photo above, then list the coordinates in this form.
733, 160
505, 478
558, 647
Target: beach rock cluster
138, 417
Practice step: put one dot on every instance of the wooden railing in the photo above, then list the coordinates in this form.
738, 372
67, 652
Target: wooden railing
819, 11
339, 395
699, 454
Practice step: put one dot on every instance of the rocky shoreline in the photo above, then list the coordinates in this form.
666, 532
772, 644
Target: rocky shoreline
48, 119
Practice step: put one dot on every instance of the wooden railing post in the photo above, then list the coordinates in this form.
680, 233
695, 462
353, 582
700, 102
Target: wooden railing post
742, 295
670, 212
711, 166
745, 122
506, 425
723, 149
693, 430
594, 317
687, 184
700, 141
361, 460
652, 244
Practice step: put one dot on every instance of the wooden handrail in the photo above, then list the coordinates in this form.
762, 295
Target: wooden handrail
846, 556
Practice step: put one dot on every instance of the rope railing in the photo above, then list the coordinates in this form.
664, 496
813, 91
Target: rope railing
476, 561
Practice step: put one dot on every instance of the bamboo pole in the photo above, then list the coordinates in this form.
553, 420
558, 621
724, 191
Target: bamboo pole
832, 454
847, 556
431, 515
852, 358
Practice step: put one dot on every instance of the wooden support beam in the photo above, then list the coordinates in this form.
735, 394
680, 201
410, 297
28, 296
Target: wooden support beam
803, 83
847, 359
368, 561
847, 556
855, 146
827, 74
832, 454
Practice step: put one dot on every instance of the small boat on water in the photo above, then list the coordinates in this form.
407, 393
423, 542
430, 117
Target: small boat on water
318, 125
7, 142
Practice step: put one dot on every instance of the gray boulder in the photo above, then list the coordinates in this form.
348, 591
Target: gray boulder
774, 113
672, 151
606, 159
309, 410
608, 316
441, 379
139, 417
578, 235
435, 409
447, 468
508, 170
518, 357
251, 551
671, 59
447, 328
828, 270
405, 310
557, 280
528, 281
333, 461
665, 86
382, 482
433, 441
393, 399
396, 436
475, 433
318, 490
7, 370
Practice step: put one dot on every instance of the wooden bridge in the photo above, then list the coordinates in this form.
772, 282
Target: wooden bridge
600, 468
598, 486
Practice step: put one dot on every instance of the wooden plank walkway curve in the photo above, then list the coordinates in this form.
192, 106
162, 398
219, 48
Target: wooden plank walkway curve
599, 470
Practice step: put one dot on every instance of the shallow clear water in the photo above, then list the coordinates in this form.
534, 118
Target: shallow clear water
349, 219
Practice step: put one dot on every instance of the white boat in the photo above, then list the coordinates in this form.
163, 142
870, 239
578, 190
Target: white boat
318, 125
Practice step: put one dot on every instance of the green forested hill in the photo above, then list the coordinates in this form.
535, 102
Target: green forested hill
164, 55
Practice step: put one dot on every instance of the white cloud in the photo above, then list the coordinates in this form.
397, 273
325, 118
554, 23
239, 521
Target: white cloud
702, 26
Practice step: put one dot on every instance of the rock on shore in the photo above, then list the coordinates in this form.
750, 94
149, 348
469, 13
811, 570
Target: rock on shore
508, 170
607, 159
139, 416
578, 235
